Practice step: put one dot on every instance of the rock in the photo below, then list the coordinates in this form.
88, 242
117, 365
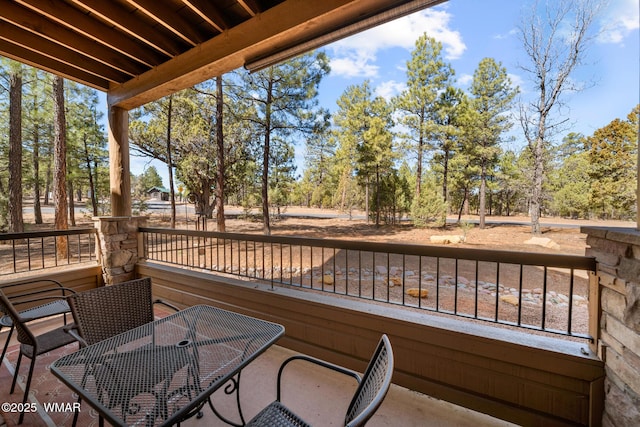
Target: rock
395, 281
510, 299
545, 242
415, 292
445, 240
380, 269
327, 279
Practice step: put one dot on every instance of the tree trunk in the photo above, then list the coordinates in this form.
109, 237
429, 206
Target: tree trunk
536, 196
37, 211
47, 184
377, 196
72, 206
60, 166
16, 222
266, 227
482, 195
172, 192
92, 184
221, 175
419, 163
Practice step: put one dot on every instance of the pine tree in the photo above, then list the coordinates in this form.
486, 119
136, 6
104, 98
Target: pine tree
427, 76
492, 98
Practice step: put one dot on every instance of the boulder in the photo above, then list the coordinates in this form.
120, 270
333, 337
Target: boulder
545, 242
510, 299
418, 293
327, 279
445, 240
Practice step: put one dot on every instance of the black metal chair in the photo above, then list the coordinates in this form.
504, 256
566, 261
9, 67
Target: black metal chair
107, 311
41, 304
367, 399
23, 289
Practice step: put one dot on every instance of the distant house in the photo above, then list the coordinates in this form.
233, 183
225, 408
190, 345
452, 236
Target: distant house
158, 193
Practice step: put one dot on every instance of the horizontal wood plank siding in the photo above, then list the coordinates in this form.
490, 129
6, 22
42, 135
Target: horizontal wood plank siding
523, 378
78, 277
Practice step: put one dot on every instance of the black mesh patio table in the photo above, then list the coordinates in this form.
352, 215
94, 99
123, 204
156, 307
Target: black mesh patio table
163, 372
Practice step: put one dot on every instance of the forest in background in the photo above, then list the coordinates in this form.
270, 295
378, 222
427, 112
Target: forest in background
431, 151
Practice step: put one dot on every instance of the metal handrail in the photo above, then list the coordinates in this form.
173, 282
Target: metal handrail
380, 273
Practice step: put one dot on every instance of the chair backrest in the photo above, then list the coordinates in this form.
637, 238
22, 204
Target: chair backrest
106, 311
373, 387
25, 336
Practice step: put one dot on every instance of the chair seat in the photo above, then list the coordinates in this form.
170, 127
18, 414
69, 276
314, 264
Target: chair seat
276, 414
49, 341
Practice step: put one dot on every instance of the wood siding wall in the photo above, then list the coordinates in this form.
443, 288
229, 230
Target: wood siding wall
79, 278
523, 378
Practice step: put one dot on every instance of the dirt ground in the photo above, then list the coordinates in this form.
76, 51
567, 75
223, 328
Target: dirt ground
512, 295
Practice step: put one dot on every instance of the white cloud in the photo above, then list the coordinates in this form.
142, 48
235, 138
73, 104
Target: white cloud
353, 66
620, 21
465, 79
354, 56
517, 81
506, 35
389, 89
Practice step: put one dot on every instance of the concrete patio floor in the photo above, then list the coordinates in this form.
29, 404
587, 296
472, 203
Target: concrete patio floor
320, 396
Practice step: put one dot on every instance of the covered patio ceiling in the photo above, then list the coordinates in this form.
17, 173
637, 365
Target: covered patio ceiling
141, 50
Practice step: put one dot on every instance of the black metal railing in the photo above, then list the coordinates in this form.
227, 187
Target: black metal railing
544, 292
23, 252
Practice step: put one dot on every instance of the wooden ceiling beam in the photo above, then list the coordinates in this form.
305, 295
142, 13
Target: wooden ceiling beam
96, 30
169, 19
60, 53
43, 27
283, 25
46, 63
125, 21
209, 13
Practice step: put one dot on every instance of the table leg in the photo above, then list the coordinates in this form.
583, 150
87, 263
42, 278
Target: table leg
231, 388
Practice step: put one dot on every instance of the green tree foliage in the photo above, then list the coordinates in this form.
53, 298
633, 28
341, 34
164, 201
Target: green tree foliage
570, 179
429, 209
613, 154
363, 126
319, 163
450, 127
427, 76
86, 148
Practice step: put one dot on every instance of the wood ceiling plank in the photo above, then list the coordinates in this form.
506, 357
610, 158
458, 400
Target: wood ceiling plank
170, 19
251, 6
45, 63
46, 48
279, 26
43, 27
125, 21
209, 12
96, 30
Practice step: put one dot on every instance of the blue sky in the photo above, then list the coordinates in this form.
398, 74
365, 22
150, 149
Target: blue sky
471, 30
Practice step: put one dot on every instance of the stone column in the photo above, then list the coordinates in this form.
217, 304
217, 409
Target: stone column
617, 251
118, 246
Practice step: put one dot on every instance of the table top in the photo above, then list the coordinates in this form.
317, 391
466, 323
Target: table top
158, 373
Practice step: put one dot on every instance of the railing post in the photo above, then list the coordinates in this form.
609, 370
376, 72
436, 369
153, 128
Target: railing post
118, 250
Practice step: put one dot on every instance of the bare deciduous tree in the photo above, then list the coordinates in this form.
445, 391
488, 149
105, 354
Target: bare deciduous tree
555, 40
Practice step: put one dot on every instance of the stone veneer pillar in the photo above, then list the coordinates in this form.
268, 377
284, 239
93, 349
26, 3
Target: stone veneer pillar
118, 247
617, 333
